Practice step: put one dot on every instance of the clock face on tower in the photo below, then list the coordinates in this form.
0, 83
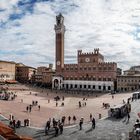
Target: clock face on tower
87, 59
58, 63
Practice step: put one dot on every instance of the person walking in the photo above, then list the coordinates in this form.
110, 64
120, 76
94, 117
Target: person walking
93, 123
81, 123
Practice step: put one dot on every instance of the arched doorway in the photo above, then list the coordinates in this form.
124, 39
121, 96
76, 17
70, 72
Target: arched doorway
104, 87
56, 83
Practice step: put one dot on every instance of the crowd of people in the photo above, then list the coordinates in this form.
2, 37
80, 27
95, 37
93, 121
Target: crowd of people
29, 107
13, 123
58, 125
5, 95
83, 102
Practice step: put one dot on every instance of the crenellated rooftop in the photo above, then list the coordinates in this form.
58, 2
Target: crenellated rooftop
107, 63
96, 51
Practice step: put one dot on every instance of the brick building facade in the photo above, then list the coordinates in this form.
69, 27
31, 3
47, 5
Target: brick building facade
24, 73
130, 81
91, 71
43, 77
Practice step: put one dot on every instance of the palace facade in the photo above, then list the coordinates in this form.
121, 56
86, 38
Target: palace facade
91, 71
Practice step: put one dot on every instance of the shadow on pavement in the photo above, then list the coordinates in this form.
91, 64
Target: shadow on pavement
89, 130
73, 132
114, 119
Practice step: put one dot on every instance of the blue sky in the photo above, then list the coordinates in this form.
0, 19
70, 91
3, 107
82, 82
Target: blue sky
27, 30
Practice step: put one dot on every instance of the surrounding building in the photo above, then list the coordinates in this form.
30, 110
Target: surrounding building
7, 71
119, 71
44, 76
135, 70
24, 73
90, 73
127, 83
130, 81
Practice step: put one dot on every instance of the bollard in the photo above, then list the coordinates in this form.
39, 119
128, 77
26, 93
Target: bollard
100, 116
29, 122
11, 116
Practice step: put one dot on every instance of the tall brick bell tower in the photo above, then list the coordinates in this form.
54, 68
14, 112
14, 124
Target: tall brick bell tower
59, 54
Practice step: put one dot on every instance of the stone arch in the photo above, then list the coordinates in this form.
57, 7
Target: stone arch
56, 83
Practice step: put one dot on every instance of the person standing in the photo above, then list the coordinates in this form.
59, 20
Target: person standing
128, 117
56, 130
46, 130
63, 120
39, 107
48, 100
74, 119
63, 98
30, 108
27, 108
48, 125
61, 128
25, 123
56, 104
54, 122
112, 96
69, 118
21, 100
14, 124
90, 117
18, 124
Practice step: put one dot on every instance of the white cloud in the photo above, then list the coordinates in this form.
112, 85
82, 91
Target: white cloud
109, 25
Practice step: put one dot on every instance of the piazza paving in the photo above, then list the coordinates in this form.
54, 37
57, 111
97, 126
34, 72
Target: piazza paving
106, 128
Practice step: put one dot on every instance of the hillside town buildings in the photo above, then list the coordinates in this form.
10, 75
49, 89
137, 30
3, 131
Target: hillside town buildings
91, 71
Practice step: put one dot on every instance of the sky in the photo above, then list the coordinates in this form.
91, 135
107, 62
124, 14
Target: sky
27, 30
